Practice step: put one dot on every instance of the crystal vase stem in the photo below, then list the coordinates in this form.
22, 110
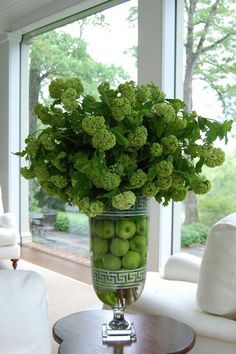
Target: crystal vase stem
118, 321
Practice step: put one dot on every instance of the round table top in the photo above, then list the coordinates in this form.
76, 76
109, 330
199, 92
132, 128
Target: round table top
81, 333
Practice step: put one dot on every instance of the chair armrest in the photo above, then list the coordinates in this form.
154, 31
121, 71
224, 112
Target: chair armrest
8, 221
182, 266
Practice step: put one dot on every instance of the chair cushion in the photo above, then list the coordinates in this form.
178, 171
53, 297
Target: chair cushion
10, 252
216, 291
8, 220
7, 236
182, 266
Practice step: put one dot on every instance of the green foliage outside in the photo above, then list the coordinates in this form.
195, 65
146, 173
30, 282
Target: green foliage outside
193, 234
74, 223
218, 203
221, 200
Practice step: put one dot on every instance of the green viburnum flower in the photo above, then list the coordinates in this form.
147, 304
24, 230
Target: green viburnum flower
137, 179
92, 123
170, 144
149, 190
27, 173
59, 181
43, 113
76, 84
103, 139
179, 194
56, 88
164, 169
128, 90
128, 162
138, 138
214, 157
105, 91
91, 209
120, 108
68, 99
143, 93
117, 168
58, 120
124, 201
177, 181
200, 185
156, 149
194, 150
47, 142
33, 145
165, 111
164, 183
107, 180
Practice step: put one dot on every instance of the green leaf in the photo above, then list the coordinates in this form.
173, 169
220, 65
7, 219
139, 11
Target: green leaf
121, 140
98, 163
83, 186
109, 195
158, 125
199, 164
20, 153
152, 172
176, 103
82, 163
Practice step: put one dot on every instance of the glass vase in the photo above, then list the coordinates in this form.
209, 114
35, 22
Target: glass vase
118, 254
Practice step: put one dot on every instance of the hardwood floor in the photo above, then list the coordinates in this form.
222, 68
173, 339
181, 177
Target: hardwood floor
63, 266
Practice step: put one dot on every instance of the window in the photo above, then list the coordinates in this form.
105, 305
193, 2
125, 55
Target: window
209, 89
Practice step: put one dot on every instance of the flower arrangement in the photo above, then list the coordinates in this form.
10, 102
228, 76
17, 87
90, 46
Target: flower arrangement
132, 141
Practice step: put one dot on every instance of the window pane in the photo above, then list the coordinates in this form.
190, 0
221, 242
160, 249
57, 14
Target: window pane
209, 88
101, 47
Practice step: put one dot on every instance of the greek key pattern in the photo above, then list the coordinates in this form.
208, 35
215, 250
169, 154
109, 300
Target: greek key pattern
141, 207
121, 279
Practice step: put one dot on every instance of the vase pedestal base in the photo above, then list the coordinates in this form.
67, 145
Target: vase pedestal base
110, 335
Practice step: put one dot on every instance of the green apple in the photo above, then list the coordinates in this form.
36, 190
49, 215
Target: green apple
108, 299
105, 229
138, 243
125, 228
99, 247
143, 259
119, 247
142, 226
131, 260
111, 262
97, 263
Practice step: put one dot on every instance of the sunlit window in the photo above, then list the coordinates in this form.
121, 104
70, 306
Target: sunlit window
210, 88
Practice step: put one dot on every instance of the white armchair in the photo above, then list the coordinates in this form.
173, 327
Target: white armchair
9, 236
24, 323
200, 294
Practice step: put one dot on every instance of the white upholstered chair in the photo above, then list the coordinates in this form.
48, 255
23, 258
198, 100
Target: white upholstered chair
9, 236
199, 293
24, 323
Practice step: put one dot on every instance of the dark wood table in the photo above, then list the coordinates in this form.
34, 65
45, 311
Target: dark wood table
81, 333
